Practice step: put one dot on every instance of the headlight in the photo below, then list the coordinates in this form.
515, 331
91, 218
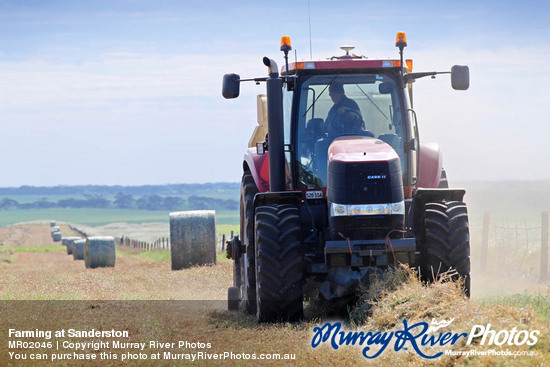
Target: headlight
367, 209
337, 210
398, 208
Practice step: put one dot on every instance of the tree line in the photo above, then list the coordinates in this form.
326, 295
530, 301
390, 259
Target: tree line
127, 201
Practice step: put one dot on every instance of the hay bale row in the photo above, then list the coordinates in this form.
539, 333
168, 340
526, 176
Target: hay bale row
192, 238
66, 241
55, 233
95, 251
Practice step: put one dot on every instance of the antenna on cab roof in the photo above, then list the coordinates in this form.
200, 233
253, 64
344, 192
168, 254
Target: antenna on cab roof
309, 21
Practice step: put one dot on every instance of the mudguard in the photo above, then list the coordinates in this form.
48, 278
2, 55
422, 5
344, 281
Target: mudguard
431, 164
259, 168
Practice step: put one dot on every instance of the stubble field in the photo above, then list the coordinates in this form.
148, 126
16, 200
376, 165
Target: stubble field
42, 288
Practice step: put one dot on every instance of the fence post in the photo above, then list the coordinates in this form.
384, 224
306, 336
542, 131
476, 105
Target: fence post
544, 247
485, 240
223, 242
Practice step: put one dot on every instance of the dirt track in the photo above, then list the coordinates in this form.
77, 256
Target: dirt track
55, 275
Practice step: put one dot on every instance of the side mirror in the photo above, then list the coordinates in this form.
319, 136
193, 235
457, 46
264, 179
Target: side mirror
460, 77
231, 86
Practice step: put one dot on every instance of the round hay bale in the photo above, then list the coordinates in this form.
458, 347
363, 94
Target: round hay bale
52, 223
56, 236
192, 238
65, 242
77, 248
99, 252
55, 229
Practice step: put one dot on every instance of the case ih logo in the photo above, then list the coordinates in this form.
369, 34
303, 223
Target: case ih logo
376, 177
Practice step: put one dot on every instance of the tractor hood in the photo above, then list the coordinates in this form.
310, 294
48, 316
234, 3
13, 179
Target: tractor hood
350, 149
363, 170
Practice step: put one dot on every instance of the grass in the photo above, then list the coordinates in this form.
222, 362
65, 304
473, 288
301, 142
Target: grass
100, 217
227, 228
47, 248
539, 303
157, 256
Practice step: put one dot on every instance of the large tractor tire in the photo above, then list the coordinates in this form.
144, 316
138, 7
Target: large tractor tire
244, 269
279, 264
446, 244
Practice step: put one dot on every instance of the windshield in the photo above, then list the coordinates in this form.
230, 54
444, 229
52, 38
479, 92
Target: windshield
344, 104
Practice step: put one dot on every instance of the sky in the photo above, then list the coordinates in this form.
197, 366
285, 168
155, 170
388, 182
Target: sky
129, 92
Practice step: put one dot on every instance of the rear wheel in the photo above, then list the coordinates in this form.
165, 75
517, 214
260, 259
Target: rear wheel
446, 244
279, 264
247, 261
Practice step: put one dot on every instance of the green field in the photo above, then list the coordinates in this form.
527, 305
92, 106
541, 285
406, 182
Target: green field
100, 217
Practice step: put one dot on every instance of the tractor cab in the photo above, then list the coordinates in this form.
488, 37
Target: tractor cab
358, 98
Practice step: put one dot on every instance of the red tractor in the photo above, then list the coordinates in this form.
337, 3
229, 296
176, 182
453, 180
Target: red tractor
340, 188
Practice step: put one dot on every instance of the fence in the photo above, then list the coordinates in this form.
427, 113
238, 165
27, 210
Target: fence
519, 249
162, 243
80, 232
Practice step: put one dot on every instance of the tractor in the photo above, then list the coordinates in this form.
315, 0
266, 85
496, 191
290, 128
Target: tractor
337, 185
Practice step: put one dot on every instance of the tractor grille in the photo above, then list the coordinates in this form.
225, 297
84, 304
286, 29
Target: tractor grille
365, 182
364, 227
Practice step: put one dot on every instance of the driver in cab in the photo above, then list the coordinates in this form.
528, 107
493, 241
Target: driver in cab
345, 116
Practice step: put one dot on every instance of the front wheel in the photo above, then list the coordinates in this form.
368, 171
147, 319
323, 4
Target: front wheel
447, 242
279, 264
247, 261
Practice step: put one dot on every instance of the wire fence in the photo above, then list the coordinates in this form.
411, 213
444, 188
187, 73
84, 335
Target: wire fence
163, 243
518, 248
